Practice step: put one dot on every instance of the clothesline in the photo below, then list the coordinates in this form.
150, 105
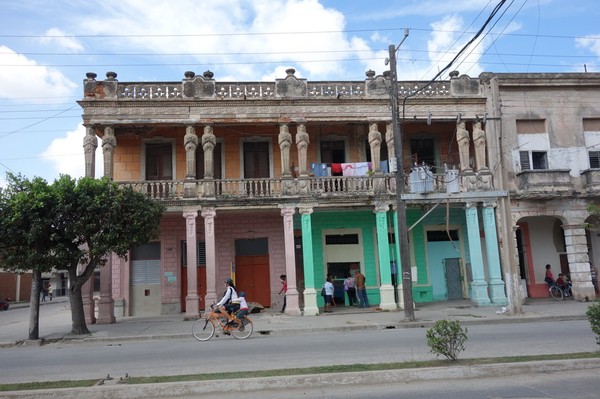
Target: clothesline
346, 169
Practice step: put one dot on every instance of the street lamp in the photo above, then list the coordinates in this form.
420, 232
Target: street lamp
409, 312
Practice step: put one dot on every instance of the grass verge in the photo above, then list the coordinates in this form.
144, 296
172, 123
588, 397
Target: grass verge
302, 371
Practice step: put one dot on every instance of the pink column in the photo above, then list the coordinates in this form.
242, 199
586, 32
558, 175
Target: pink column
191, 299
292, 302
209, 215
106, 310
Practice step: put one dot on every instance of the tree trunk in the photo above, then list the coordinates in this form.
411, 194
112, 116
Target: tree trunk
34, 305
79, 327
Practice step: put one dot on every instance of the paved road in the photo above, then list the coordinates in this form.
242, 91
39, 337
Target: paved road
59, 361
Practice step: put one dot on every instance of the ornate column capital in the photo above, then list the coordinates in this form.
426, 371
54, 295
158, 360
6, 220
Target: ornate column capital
490, 204
305, 210
209, 212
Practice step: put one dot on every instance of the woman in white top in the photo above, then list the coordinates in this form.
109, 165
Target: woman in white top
226, 304
328, 294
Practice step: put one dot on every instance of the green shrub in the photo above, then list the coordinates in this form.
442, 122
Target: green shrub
447, 338
593, 315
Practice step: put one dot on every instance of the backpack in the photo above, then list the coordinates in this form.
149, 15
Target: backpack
323, 291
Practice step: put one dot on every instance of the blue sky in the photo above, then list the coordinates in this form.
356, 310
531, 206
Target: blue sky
46, 48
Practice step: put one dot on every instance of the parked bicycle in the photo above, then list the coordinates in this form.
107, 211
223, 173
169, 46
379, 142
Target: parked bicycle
559, 293
204, 328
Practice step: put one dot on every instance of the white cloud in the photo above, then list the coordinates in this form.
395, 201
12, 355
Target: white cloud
589, 42
66, 154
25, 80
229, 37
57, 38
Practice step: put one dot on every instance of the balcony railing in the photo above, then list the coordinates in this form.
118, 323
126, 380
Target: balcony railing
313, 187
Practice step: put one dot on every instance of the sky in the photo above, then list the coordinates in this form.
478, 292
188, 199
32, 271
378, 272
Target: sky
48, 46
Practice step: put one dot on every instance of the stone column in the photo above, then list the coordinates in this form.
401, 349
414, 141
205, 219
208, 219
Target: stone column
292, 301
386, 289
285, 142
375, 144
209, 142
209, 215
479, 142
496, 284
190, 143
90, 143
191, 299
479, 287
106, 304
109, 143
579, 262
302, 141
310, 293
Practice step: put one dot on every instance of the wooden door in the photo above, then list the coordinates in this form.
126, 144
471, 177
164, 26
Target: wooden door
200, 282
252, 276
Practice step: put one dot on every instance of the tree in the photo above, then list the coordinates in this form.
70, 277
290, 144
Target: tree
88, 219
27, 212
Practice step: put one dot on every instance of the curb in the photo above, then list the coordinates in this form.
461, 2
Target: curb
245, 385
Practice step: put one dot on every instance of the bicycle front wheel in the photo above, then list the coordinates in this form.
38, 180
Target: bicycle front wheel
556, 293
203, 329
244, 330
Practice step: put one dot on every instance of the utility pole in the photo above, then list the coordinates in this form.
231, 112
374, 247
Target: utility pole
409, 312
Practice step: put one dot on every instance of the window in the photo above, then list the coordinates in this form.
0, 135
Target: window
594, 157
423, 150
533, 160
256, 159
200, 253
159, 161
341, 239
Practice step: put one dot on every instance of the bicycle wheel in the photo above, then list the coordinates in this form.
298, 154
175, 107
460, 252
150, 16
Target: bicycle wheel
244, 330
556, 293
203, 329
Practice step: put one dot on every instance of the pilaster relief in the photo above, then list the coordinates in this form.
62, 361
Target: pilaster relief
285, 142
480, 147
375, 145
389, 139
209, 141
464, 141
190, 143
302, 141
109, 143
90, 143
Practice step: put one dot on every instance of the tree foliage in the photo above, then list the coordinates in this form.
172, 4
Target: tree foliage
593, 315
72, 225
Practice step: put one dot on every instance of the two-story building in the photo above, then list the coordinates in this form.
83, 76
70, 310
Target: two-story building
297, 177
549, 133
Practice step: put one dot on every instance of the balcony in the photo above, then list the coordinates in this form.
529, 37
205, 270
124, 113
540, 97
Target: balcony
546, 183
591, 180
339, 188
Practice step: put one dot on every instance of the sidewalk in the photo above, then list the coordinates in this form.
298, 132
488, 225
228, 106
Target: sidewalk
55, 321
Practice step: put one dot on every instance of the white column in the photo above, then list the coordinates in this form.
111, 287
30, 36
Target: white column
192, 298
292, 301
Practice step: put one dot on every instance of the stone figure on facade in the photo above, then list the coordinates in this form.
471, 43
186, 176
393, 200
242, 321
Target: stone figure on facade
375, 144
109, 143
209, 142
389, 139
190, 143
463, 140
302, 141
285, 142
90, 143
479, 142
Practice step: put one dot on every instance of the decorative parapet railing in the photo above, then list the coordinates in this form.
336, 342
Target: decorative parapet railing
313, 187
205, 87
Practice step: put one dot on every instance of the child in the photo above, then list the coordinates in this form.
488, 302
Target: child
243, 312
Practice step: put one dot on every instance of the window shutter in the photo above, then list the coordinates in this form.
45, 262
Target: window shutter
594, 159
524, 157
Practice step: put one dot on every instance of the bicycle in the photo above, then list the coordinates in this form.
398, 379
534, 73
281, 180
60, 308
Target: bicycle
558, 293
204, 328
